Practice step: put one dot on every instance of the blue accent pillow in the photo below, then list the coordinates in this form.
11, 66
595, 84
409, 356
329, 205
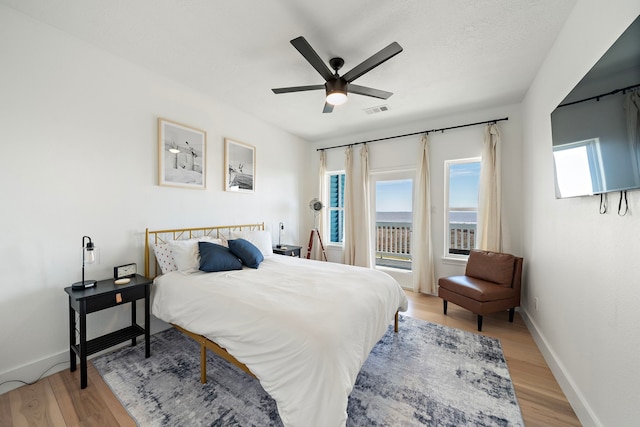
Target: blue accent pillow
249, 254
217, 258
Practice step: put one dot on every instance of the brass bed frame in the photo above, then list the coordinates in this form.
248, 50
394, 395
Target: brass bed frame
218, 232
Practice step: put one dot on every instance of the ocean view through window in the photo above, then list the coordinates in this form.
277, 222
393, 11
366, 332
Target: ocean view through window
394, 219
461, 213
392, 197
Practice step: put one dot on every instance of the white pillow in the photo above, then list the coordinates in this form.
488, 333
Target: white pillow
164, 257
259, 238
186, 254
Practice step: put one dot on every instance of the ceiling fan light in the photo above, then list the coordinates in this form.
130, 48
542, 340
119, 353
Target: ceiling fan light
337, 98
336, 91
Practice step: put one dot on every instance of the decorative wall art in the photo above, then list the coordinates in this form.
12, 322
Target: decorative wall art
239, 166
181, 155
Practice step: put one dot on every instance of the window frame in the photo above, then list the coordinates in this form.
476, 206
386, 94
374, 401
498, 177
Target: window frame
447, 236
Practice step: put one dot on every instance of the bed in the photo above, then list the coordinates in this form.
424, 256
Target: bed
303, 328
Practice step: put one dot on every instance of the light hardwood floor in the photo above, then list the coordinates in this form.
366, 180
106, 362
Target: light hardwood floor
58, 401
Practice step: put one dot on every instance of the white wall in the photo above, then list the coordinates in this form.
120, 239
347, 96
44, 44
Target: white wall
79, 157
582, 266
401, 153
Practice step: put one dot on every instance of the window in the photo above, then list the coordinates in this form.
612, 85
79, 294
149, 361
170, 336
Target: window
336, 207
393, 199
462, 178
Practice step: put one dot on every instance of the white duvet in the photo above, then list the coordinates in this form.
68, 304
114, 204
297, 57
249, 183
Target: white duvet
304, 328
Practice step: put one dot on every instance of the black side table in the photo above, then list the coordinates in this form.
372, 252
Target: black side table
289, 250
106, 294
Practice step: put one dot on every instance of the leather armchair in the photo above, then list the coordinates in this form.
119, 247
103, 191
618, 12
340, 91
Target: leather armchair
491, 283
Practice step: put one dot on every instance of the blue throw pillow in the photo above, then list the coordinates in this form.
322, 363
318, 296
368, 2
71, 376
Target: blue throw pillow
217, 258
247, 252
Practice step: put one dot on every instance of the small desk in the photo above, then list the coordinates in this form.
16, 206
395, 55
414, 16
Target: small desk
106, 294
289, 250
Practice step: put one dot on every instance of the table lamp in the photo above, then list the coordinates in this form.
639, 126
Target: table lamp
280, 231
88, 257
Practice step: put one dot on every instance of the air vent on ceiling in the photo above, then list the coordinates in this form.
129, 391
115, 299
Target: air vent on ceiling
377, 109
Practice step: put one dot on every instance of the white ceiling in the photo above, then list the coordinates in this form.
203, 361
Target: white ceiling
458, 54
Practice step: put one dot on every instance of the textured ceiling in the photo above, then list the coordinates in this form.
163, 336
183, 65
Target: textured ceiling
458, 54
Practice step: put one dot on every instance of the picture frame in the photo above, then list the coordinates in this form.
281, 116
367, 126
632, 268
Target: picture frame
181, 155
239, 166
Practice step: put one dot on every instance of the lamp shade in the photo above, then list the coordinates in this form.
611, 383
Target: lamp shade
280, 231
89, 253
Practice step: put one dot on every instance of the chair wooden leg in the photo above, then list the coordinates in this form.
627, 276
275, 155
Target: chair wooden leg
511, 313
444, 306
479, 323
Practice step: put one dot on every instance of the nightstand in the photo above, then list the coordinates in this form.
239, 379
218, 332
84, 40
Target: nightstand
105, 294
289, 250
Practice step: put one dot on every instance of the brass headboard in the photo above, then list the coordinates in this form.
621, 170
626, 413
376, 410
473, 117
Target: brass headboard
164, 236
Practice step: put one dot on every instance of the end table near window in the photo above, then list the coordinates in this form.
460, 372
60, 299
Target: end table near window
106, 294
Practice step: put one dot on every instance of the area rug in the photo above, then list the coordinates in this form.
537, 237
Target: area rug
425, 375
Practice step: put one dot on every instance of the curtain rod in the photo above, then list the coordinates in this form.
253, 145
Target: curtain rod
416, 133
613, 92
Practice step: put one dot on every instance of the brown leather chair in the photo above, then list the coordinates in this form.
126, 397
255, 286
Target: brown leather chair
491, 283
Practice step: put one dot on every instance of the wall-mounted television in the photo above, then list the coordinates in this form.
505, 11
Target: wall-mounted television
596, 128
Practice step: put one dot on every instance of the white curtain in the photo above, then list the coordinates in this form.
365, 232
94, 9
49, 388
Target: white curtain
324, 198
421, 246
632, 105
349, 212
364, 254
357, 230
490, 193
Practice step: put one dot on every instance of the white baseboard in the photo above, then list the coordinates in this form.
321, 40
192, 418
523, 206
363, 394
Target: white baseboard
580, 406
33, 371
44, 367
54, 363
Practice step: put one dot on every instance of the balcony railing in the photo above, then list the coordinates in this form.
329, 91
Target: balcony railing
462, 230
393, 242
462, 237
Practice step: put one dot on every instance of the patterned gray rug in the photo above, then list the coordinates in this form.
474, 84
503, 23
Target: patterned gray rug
425, 375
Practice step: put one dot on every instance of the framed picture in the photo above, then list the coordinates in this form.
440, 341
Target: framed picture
239, 166
181, 155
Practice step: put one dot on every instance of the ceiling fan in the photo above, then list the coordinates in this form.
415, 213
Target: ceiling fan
337, 86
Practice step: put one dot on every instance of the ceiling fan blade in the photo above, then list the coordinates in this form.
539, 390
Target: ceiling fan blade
328, 108
312, 57
368, 64
297, 88
368, 91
